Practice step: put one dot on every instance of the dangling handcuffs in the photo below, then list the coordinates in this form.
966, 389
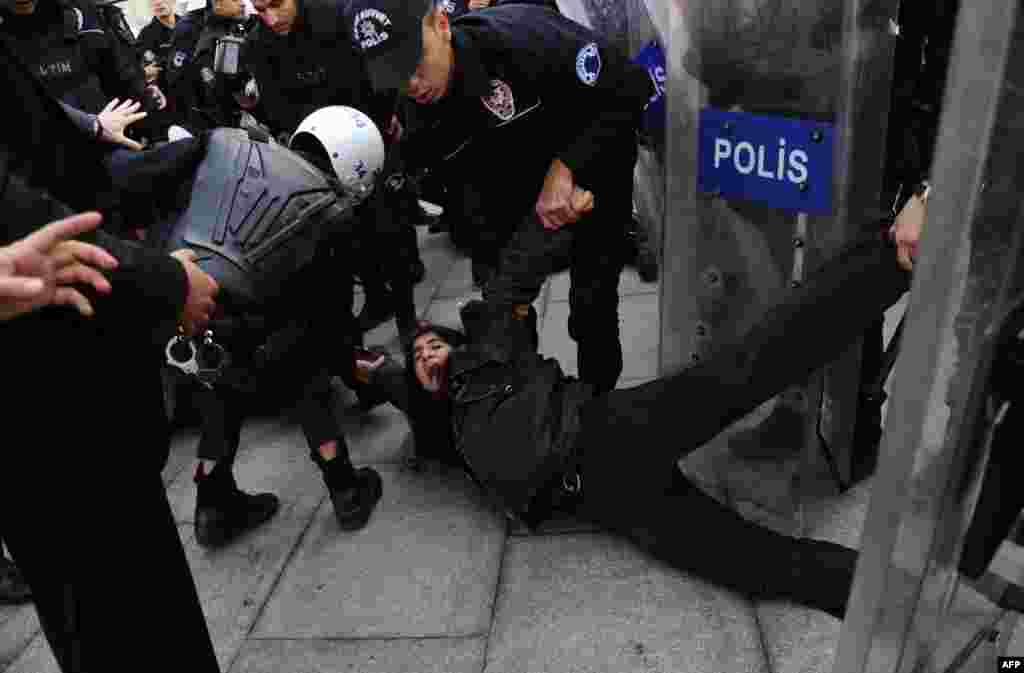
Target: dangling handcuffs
196, 365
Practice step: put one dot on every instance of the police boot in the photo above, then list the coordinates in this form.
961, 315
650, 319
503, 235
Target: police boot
14, 590
223, 512
354, 493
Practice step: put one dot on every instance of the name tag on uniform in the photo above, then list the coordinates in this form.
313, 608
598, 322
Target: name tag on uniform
782, 163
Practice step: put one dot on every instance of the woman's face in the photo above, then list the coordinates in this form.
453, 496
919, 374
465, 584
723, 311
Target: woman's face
430, 356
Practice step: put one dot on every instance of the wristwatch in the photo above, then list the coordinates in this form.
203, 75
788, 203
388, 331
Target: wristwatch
99, 127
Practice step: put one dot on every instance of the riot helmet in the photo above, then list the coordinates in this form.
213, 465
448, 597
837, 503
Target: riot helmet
349, 140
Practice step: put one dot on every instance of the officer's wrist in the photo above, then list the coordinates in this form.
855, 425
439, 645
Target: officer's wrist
97, 127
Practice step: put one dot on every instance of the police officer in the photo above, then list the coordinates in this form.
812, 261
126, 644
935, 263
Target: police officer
302, 59
540, 114
83, 52
153, 47
204, 99
43, 158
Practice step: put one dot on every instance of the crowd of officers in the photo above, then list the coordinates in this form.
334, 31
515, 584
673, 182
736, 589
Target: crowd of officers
300, 56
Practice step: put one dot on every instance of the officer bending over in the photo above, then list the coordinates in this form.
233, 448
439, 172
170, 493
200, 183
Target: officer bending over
294, 348
540, 114
303, 59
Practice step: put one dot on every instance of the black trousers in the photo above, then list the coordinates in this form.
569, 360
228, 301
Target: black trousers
632, 439
146, 585
224, 409
594, 248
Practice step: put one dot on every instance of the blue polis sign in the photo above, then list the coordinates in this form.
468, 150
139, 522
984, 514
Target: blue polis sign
782, 163
652, 58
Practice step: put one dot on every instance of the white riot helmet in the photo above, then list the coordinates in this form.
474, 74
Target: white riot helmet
350, 140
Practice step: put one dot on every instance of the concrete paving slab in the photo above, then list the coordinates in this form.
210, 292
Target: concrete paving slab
799, 639
275, 460
594, 603
787, 523
841, 518
183, 453
630, 283
19, 624
235, 582
433, 655
426, 565
37, 658
769, 483
638, 331
459, 281
375, 436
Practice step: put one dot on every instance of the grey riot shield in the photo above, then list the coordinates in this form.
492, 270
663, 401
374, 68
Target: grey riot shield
256, 216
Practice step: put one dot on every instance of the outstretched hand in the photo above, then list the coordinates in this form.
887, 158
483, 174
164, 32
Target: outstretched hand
116, 117
40, 269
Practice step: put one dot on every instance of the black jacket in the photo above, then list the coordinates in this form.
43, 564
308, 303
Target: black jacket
154, 44
313, 66
67, 45
84, 385
514, 415
201, 99
531, 86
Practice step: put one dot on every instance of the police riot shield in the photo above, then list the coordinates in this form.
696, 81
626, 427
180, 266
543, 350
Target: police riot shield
774, 145
938, 584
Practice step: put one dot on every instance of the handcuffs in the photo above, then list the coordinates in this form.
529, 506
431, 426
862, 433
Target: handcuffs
205, 362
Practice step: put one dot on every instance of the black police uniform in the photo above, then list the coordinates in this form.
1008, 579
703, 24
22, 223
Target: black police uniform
315, 66
89, 393
155, 37
65, 44
202, 99
153, 47
534, 86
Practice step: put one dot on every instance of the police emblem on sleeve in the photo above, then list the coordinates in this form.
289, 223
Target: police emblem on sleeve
588, 64
500, 102
370, 28
449, 6
179, 59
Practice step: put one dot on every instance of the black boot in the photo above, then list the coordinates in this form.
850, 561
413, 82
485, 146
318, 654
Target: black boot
223, 512
14, 590
354, 493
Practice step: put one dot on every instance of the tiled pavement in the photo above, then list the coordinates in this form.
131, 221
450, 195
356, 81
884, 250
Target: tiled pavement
437, 582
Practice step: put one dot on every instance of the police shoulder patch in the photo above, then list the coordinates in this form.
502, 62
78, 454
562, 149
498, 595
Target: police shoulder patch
371, 28
501, 103
588, 64
179, 58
